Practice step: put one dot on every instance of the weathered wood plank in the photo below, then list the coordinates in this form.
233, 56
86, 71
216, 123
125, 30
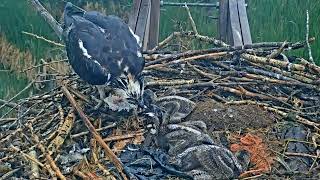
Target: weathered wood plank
133, 18
245, 28
154, 24
235, 23
223, 19
147, 30
142, 19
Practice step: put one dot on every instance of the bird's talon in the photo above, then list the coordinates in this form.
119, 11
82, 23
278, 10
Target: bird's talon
98, 101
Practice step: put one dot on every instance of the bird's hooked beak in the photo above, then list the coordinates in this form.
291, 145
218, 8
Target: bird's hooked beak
135, 89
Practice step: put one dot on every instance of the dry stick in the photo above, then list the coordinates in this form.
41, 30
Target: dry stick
299, 118
9, 174
87, 132
114, 159
44, 64
169, 82
273, 62
315, 161
204, 56
47, 17
27, 156
200, 37
193, 24
170, 38
53, 165
34, 166
278, 73
94, 156
204, 74
300, 154
122, 137
310, 66
307, 37
13, 105
43, 38
272, 45
278, 51
24, 89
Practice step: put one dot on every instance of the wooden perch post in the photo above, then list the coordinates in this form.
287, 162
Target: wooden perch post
144, 22
233, 23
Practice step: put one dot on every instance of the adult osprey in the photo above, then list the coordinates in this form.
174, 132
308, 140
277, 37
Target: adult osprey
103, 50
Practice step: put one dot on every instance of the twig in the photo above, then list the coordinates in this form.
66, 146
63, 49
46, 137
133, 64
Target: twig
34, 166
300, 154
98, 130
44, 64
278, 51
272, 45
298, 118
169, 82
201, 37
207, 75
51, 162
122, 137
20, 92
315, 160
273, 62
114, 159
307, 37
47, 17
204, 56
43, 38
9, 174
27, 156
193, 24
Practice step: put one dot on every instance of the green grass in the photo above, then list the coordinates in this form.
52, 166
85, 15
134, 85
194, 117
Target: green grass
279, 20
17, 16
176, 19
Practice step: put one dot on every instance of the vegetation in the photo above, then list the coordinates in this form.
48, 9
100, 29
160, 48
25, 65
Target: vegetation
270, 20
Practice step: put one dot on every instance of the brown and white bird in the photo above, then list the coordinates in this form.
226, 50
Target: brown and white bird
104, 51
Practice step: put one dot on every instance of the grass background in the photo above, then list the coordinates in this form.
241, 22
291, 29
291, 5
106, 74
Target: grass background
270, 20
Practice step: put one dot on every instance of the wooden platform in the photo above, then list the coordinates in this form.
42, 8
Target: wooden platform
144, 21
233, 22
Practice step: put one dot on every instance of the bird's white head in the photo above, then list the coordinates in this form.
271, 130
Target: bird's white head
131, 88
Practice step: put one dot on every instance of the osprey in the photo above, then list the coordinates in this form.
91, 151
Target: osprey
103, 50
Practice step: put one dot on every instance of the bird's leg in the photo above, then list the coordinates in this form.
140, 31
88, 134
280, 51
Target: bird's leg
102, 96
101, 92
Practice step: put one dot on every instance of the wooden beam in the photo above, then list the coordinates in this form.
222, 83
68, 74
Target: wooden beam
245, 28
133, 18
147, 30
223, 19
142, 19
235, 23
154, 24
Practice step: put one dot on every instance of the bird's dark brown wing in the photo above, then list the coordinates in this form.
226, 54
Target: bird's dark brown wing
85, 45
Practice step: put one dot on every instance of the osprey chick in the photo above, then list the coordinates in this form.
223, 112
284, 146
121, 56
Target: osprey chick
103, 50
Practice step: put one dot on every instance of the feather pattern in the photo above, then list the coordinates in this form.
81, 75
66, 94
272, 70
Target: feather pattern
104, 50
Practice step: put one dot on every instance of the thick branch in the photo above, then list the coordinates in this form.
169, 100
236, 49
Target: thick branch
47, 17
113, 158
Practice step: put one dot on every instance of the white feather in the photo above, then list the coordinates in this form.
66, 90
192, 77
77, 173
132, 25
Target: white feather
139, 54
84, 50
118, 101
134, 88
135, 36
